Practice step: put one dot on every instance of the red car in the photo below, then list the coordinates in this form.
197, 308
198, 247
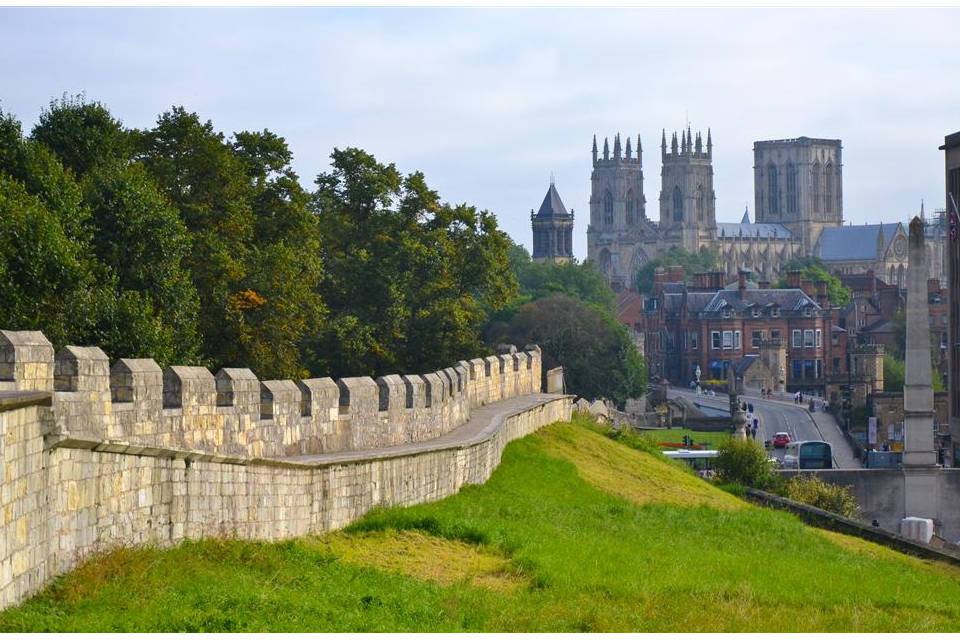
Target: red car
781, 439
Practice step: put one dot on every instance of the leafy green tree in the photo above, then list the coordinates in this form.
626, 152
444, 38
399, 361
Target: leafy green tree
541, 279
82, 134
596, 352
410, 280
813, 269
692, 263
894, 373
745, 462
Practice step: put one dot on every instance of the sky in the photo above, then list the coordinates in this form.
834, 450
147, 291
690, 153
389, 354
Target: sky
489, 103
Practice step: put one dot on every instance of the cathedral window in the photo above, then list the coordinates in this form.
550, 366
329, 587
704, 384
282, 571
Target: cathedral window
792, 202
631, 207
815, 186
773, 190
700, 203
677, 204
828, 188
608, 209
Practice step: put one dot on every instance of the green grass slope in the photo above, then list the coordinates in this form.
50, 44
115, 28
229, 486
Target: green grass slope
574, 532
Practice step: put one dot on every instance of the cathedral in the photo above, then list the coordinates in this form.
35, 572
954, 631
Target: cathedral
798, 205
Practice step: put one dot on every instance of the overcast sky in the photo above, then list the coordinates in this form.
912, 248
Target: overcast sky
488, 103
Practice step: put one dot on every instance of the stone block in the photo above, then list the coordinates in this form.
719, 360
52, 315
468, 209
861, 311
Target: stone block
240, 389
189, 388
26, 361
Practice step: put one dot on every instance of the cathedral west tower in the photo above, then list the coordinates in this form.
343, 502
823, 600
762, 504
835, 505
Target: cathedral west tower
687, 200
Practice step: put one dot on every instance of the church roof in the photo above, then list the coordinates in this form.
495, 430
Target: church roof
752, 229
552, 206
855, 242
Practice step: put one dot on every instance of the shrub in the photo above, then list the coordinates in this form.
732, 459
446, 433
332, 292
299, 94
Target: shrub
810, 489
745, 462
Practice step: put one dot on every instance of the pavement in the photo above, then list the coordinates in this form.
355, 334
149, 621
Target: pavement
784, 415
483, 423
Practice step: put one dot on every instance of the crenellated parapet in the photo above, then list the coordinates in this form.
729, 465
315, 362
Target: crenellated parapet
133, 401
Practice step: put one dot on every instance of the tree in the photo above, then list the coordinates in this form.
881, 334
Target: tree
541, 279
596, 352
813, 269
430, 272
745, 462
692, 263
82, 134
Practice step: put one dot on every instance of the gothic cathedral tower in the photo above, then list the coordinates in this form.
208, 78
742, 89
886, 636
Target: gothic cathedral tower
687, 200
619, 229
552, 229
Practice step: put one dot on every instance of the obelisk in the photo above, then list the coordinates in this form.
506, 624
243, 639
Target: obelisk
919, 454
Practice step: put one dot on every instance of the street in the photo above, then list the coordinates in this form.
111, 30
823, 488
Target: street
778, 415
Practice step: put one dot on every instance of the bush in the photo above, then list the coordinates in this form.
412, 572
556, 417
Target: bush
811, 490
745, 462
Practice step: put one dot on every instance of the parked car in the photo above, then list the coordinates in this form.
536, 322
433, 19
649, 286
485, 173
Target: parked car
781, 439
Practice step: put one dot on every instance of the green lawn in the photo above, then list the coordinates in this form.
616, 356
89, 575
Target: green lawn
574, 532
709, 438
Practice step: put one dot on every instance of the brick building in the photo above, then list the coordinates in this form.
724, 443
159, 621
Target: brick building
713, 327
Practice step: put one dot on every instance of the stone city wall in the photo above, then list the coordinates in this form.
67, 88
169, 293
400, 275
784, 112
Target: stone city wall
107, 460
233, 413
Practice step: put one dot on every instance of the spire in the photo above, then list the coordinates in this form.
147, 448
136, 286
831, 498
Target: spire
922, 216
616, 147
606, 150
673, 143
699, 147
629, 149
639, 151
709, 144
594, 149
746, 215
663, 145
683, 142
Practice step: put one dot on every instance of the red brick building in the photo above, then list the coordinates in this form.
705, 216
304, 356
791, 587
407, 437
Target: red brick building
714, 327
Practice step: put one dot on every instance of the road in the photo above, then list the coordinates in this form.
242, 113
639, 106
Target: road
777, 415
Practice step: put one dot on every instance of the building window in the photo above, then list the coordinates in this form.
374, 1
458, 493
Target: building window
608, 209
797, 338
797, 369
819, 339
807, 311
737, 340
755, 312
694, 339
700, 207
774, 311
809, 371
792, 200
728, 339
726, 312
631, 207
836, 365
756, 339
808, 338
775, 334
828, 188
773, 191
715, 339
677, 204
815, 187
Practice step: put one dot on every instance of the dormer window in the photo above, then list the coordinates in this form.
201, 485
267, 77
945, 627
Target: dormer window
755, 312
774, 311
726, 312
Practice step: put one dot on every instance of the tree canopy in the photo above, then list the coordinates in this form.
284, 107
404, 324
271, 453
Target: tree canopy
812, 268
692, 263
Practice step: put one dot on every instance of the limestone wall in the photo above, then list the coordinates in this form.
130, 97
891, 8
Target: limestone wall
97, 456
233, 413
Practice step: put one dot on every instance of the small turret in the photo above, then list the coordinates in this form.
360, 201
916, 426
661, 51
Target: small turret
594, 149
663, 144
629, 153
683, 142
616, 147
709, 144
639, 151
689, 140
606, 149
673, 144
699, 147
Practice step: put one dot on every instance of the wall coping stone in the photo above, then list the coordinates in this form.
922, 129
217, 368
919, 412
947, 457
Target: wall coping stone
10, 400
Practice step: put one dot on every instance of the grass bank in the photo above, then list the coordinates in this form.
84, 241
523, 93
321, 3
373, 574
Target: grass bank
709, 439
574, 532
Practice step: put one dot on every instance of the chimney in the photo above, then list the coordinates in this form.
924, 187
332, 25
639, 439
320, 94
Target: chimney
822, 293
933, 286
659, 275
675, 273
873, 283
716, 280
741, 282
793, 279
808, 288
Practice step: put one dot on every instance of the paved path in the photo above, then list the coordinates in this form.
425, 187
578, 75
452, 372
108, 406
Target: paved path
483, 423
785, 415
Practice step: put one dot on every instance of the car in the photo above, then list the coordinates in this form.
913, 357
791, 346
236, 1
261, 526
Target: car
781, 439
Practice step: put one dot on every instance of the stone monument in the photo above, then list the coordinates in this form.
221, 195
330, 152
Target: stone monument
919, 454
736, 413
